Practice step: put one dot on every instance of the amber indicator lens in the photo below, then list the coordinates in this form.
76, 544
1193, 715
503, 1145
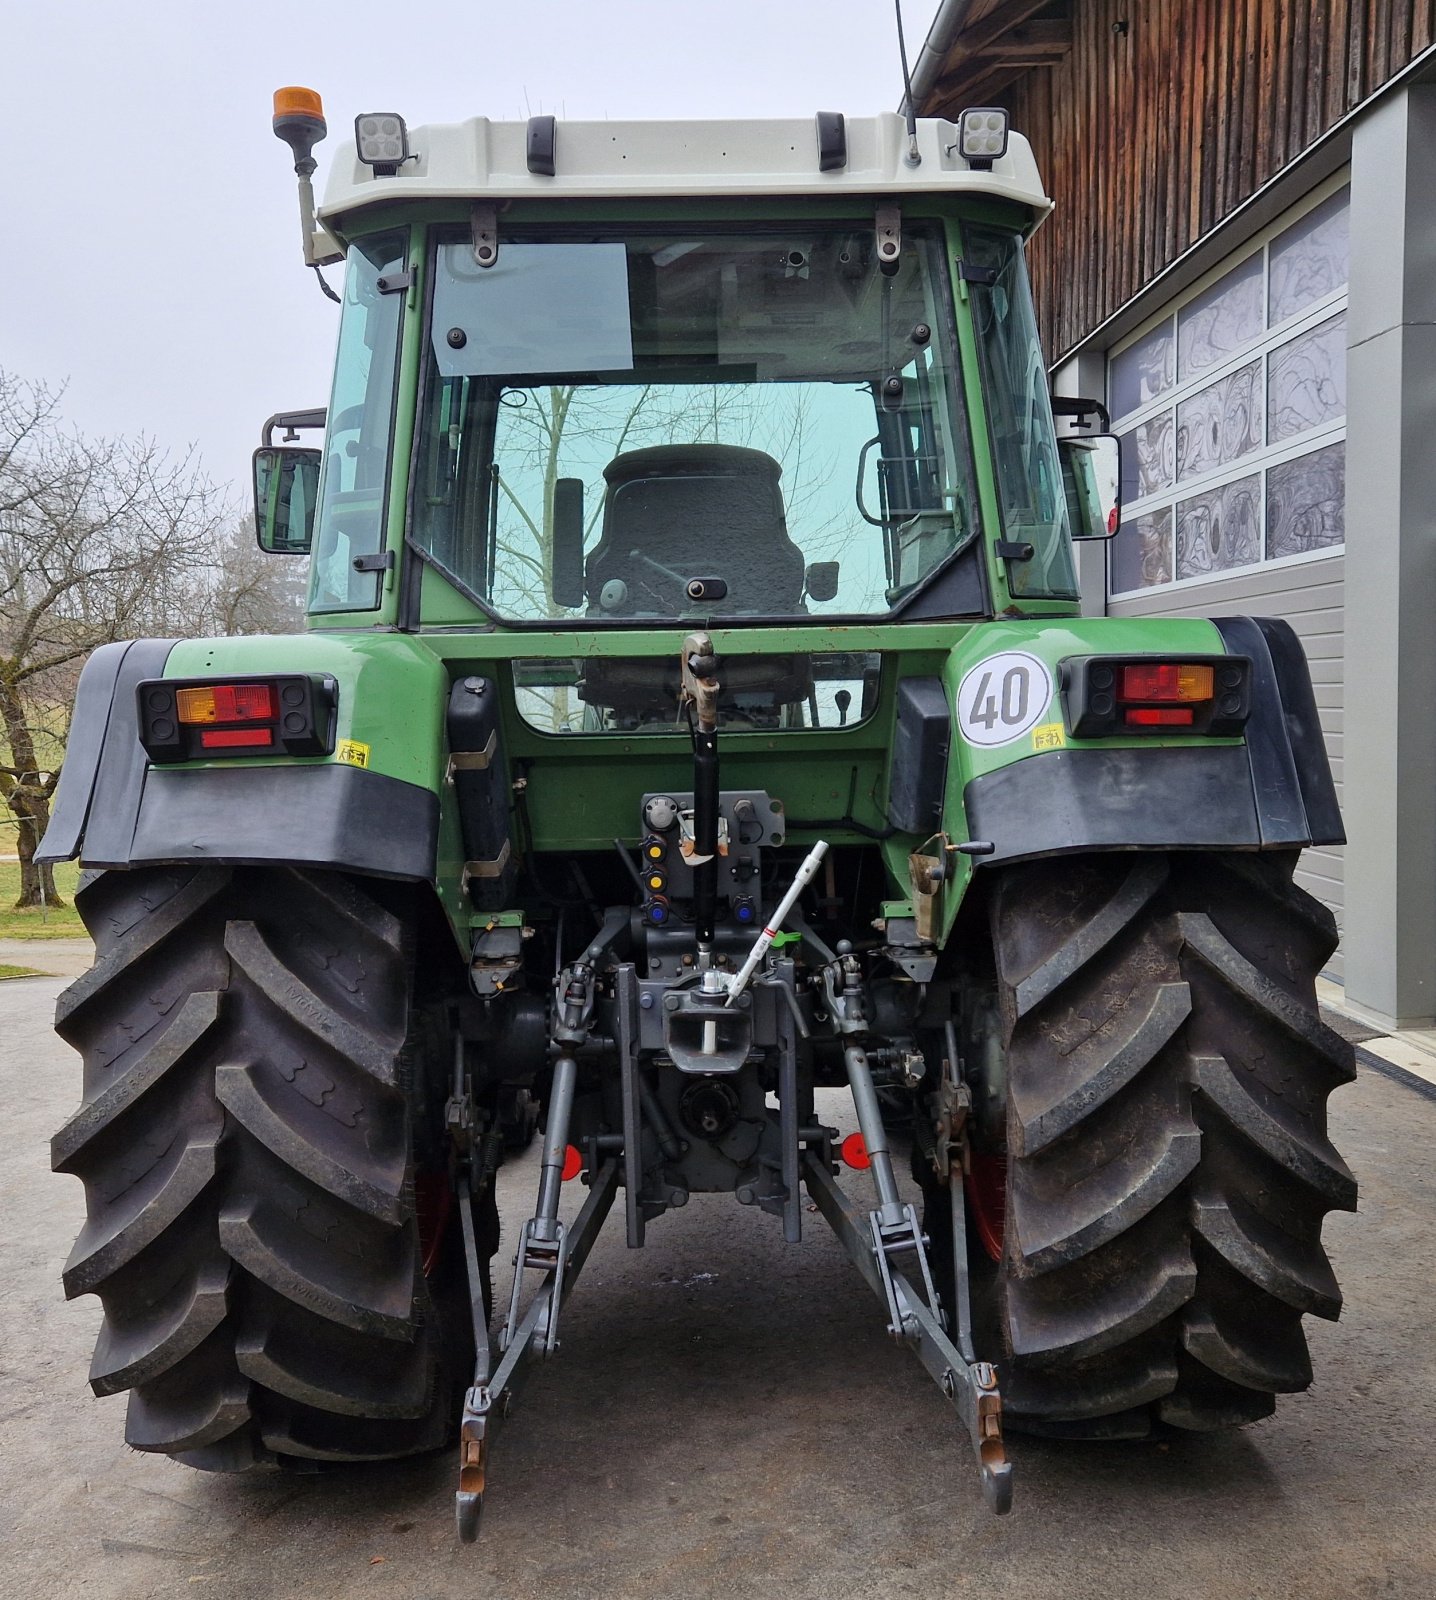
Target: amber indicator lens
1165, 681
226, 702
294, 101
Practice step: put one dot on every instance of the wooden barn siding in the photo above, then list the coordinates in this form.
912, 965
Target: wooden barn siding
1148, 139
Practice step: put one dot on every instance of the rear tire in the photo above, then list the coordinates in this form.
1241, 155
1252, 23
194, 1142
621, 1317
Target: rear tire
1168, 1166
260, 1090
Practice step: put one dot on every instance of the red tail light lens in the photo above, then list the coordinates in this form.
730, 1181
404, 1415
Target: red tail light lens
236, 738
1160, 716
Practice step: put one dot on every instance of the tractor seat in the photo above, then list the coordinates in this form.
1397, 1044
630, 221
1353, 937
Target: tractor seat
697, 510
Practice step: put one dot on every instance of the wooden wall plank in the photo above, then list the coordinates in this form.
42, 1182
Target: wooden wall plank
1338, 50
1148, 134
1296, 134
1423, 26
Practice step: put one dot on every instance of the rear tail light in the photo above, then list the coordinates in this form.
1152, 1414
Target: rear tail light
227, 702
1108, 695
1164, 681
282, 716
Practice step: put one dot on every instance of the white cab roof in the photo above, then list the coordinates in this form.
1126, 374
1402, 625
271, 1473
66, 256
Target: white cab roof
482, 160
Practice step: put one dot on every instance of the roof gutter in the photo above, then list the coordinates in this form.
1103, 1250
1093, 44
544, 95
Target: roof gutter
946, 26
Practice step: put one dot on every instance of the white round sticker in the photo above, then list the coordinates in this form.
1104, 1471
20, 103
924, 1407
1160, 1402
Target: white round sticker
1002, 698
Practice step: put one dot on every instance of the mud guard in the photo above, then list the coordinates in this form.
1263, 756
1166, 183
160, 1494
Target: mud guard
114, 810
1272, 792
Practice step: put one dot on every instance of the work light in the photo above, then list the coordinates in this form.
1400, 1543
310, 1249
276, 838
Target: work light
982, 136
382, 141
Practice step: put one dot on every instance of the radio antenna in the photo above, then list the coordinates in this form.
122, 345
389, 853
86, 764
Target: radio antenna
914, 158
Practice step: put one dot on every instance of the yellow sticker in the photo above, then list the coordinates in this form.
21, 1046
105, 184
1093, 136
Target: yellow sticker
1050, 736
353, 753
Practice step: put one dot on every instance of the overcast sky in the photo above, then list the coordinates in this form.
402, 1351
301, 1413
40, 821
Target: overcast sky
149, 218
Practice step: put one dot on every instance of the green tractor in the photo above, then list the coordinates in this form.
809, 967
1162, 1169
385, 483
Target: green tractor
694, 715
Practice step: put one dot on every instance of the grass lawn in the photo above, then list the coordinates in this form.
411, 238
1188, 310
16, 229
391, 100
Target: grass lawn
7, 971
39, 922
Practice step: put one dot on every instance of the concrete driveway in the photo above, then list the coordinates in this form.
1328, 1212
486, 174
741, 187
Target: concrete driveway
727, 1419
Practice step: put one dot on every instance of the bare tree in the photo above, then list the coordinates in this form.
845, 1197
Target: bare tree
100, 539
248, 591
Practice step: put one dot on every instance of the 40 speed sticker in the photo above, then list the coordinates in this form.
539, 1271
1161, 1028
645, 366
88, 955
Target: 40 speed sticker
1002, 698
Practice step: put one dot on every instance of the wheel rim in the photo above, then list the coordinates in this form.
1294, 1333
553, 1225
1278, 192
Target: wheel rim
986, 1185
433, 1204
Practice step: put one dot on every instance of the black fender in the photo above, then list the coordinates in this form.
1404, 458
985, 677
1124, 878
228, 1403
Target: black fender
114, 809
1272, 792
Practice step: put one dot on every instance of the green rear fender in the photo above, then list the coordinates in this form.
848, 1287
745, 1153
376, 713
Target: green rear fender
392, 692
1018, 781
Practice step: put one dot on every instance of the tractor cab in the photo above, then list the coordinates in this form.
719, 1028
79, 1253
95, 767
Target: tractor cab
741, 387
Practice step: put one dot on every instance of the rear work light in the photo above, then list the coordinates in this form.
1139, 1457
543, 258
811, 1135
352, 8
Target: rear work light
284, 716
1108, 695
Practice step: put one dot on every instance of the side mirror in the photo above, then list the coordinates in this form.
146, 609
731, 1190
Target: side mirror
822, 580
1092, 476
286, 490
567, 566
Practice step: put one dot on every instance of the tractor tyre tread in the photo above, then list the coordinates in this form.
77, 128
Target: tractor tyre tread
1168, 1165
245, 1144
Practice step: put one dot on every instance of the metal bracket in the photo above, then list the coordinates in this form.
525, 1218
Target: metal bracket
545, 1255
496, 956
927, 873
484, 230
487, 869
396, 282
381, 561
472, 760
887, 230
895, 1239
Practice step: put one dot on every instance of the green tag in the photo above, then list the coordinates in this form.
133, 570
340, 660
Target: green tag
780, 939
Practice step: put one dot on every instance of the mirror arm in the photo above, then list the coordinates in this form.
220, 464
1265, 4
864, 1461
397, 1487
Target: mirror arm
1079, 411
291, 421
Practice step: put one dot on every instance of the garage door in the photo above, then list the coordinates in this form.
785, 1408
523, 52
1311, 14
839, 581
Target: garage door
1231, 404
